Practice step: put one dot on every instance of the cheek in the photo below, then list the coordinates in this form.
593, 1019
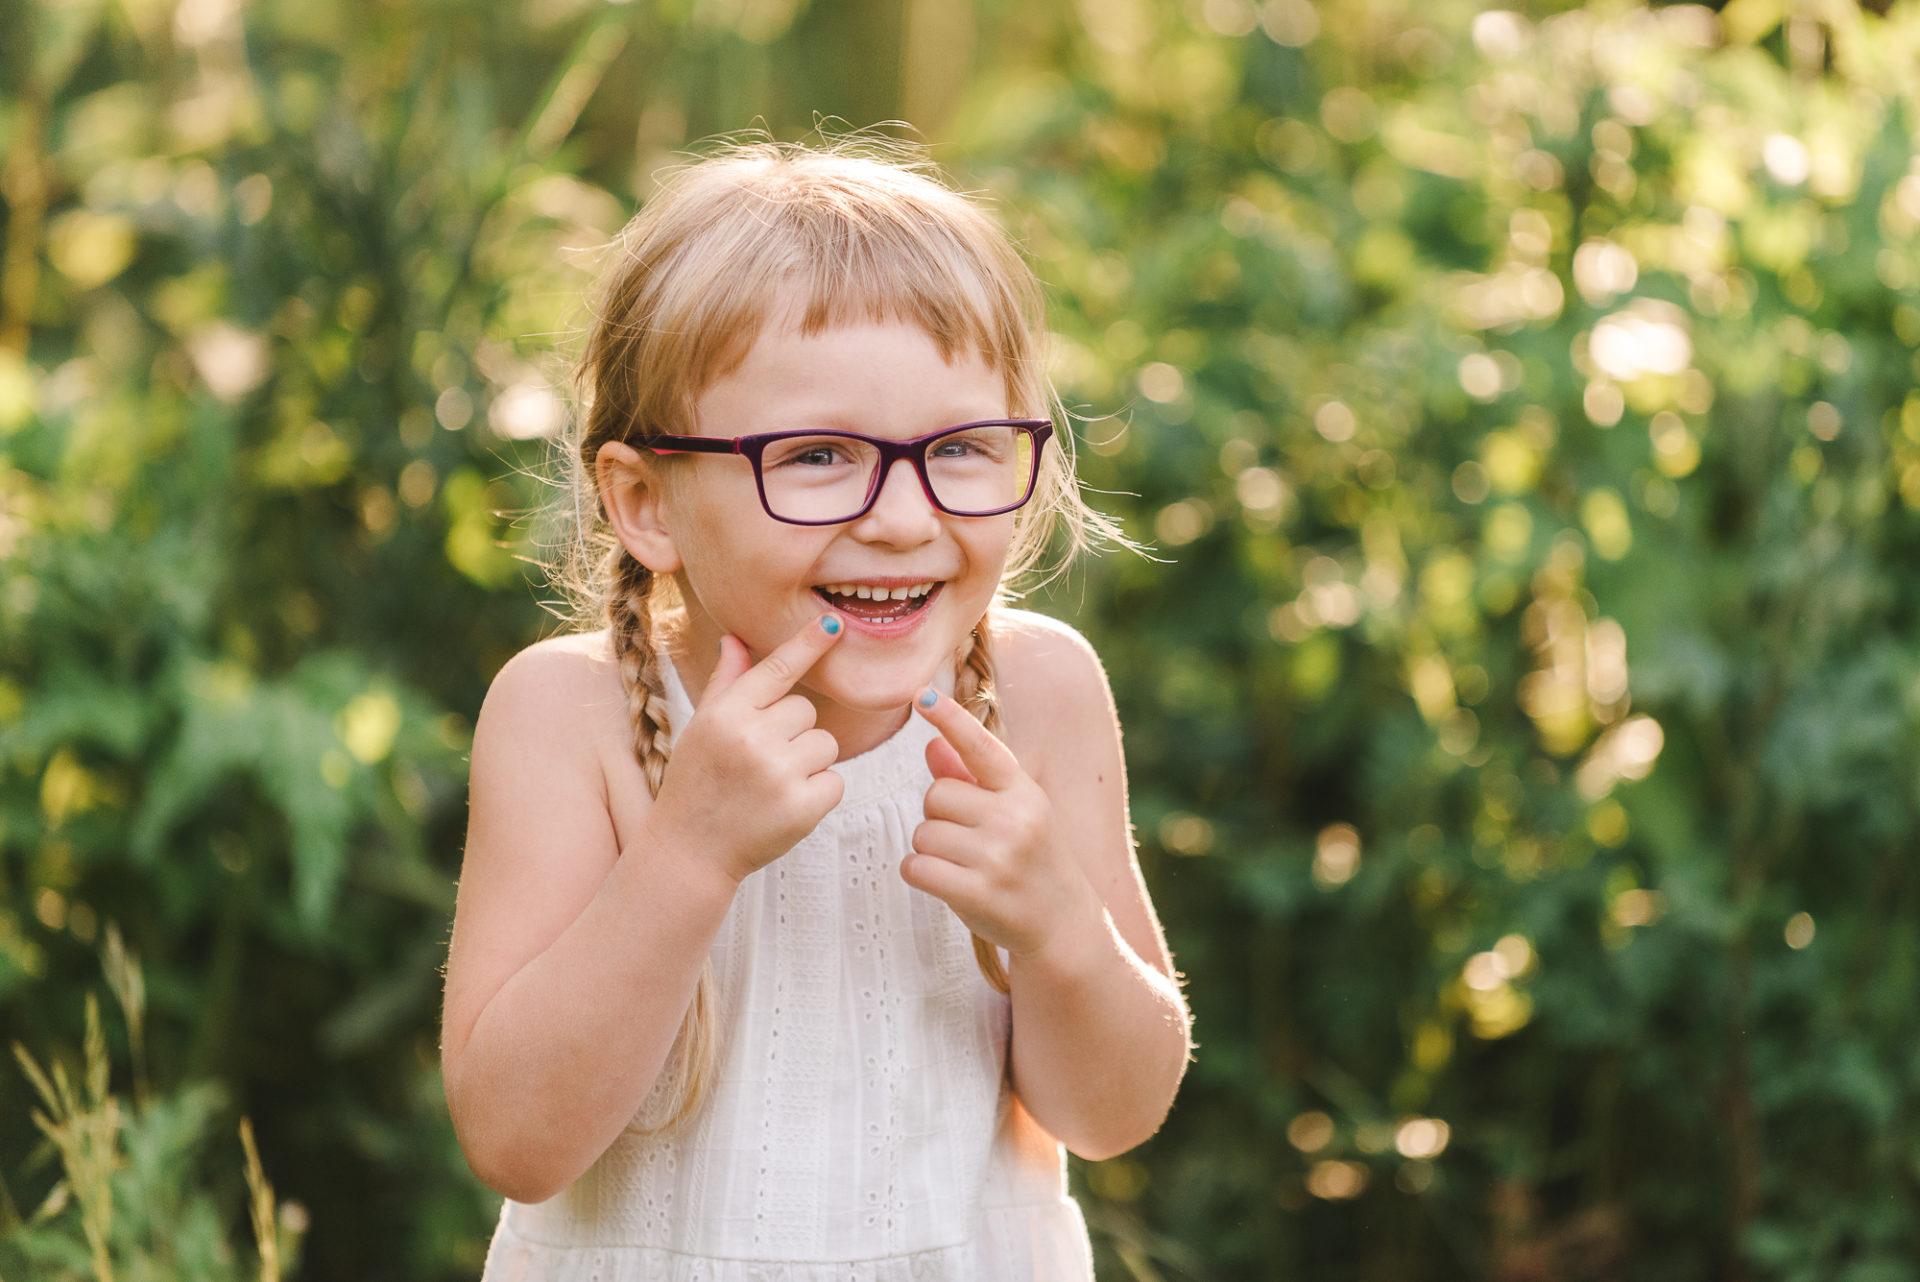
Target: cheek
749, 567
730, 566
728, 543
987, 550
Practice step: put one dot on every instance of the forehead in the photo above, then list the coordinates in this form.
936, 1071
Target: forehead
860, 375
799, 317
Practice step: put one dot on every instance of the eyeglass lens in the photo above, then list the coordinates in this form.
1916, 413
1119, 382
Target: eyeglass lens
972, 471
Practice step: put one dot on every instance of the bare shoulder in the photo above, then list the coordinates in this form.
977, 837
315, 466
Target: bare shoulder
1043, 658
561, 696
1053, 689
553, 735
574, 663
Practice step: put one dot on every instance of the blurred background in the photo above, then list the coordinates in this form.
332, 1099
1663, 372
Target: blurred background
1522, 702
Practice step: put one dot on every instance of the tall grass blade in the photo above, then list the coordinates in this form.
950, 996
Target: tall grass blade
261, 1207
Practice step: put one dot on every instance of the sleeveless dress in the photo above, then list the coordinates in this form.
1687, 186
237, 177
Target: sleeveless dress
860, 1128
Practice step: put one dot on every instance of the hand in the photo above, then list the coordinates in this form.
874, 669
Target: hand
750, 772
987, 848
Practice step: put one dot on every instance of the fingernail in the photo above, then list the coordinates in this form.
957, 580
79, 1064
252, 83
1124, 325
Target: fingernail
830, 625
929, 697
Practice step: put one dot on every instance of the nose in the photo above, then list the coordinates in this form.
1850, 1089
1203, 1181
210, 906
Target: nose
902, 514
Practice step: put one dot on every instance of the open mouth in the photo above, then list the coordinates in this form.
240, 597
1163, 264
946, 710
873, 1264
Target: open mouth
876, 604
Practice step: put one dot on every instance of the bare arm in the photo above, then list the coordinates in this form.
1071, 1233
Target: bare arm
1100, 1031
572, 965
574, 957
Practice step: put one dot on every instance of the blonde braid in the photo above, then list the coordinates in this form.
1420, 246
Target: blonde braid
974, 690
630, 623
630, 620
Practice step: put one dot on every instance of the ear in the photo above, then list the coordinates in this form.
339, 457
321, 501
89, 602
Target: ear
634, 497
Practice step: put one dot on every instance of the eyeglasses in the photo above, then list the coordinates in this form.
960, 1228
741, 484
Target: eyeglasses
827, 478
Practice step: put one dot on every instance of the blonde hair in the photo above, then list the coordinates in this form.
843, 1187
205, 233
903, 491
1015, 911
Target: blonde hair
857, 229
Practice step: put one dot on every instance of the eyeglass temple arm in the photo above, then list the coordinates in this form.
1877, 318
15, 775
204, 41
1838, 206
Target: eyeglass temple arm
689, 444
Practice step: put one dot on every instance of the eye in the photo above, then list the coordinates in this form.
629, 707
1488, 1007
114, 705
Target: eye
814, 452
985, 444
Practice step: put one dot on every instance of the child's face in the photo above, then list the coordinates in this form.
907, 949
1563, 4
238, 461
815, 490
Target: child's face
742, 572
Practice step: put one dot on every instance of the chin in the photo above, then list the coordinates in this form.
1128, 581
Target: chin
871, 684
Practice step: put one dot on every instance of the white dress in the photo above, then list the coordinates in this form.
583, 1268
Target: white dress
861, 1128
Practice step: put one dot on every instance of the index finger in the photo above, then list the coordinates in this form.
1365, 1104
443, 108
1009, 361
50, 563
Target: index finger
990, 761
769, 680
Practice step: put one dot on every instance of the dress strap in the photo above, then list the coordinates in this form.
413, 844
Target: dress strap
679, 702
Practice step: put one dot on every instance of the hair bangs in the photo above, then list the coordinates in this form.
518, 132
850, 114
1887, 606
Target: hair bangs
821, 263
914, 275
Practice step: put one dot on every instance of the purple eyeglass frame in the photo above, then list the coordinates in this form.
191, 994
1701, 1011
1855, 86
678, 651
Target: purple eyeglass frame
913, 451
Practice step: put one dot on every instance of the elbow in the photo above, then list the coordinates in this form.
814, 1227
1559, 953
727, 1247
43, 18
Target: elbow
1118, 1131
509, 1173
1110, 1141
1114, 1131
511, 1164
518, 1186
1088, 1152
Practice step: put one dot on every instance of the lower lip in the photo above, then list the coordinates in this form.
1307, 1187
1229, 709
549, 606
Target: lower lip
889, 628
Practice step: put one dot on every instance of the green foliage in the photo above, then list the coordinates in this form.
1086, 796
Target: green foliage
1520, 712
127, 1172
1523, 728
244, 507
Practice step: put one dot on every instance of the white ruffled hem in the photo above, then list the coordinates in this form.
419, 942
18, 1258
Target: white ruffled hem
1043, 1242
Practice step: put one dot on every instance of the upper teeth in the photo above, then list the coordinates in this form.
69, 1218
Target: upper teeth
867, 592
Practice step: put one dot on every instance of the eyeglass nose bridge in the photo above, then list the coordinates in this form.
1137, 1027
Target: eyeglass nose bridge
914, 455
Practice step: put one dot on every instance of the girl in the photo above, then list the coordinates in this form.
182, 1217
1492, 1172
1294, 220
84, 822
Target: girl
799, 924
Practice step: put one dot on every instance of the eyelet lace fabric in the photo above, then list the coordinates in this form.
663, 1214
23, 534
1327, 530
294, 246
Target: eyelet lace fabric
861, 1128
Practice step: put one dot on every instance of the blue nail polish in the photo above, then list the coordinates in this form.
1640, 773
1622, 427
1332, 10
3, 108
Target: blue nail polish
830, 624
929, 697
